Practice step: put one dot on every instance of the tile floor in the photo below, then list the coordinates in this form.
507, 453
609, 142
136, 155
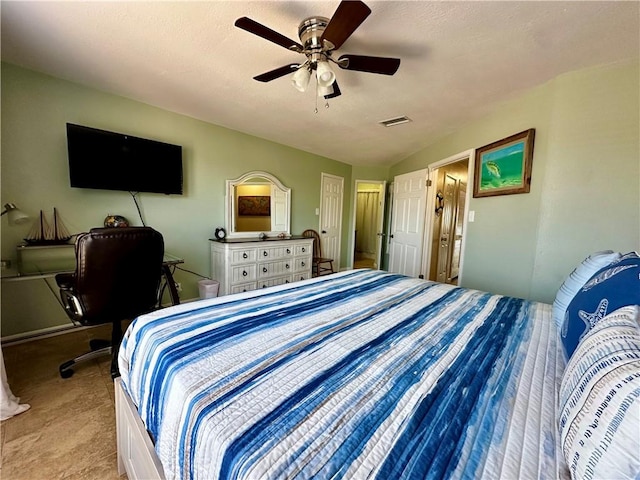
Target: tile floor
363, 263
69, 432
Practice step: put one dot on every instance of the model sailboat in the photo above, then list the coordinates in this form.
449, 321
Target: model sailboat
43, 233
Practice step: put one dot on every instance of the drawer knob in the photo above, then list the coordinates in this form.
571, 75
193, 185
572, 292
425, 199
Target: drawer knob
303, 264
264, 286
244, 273
264, 269
265, 253
304, 249
286, 281
287, 265
288, 250
244, 255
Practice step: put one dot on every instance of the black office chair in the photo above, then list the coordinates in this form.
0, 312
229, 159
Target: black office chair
117, 277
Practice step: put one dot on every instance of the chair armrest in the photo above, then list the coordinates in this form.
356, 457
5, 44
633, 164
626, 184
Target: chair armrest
66, 281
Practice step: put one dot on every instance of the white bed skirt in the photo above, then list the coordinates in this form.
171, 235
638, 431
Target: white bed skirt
136, 455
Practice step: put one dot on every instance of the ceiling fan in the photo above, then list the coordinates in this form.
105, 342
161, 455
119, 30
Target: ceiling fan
320, 37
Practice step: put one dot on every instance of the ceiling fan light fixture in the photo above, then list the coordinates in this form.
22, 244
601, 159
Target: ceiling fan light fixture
325, 75
300, 78
323, 91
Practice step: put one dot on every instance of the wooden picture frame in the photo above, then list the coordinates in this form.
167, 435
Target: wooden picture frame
504, 167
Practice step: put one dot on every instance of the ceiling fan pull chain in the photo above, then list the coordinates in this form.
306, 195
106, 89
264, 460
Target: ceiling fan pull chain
316, 109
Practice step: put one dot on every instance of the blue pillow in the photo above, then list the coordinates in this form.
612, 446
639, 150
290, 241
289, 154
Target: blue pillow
574, 282
610, 288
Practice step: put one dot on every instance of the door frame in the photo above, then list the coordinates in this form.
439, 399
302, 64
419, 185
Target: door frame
430, 220
381, 215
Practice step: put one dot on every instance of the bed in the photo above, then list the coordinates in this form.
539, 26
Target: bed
360, 374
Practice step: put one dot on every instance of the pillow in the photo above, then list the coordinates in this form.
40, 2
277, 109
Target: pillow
577, 279
614, 286
600, 400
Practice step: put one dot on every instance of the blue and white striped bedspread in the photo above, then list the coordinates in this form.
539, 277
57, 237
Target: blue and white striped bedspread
362, 374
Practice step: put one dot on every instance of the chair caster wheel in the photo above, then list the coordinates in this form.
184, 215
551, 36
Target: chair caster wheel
65, 369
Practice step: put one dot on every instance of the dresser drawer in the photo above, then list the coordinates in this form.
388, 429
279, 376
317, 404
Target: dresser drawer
270, 269
303, 250
243, 273
243, 256
301, 264
296, 277
244, 287
271, 282
276, 252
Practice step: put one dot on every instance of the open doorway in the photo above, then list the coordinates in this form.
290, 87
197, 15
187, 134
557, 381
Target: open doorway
368, 223
445, 245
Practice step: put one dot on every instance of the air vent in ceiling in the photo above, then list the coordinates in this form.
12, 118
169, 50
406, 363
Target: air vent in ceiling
392, 122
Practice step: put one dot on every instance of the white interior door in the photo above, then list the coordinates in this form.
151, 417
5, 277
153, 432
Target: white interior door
332, 192
407, 230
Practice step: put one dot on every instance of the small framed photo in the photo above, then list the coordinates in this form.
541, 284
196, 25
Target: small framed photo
504, 167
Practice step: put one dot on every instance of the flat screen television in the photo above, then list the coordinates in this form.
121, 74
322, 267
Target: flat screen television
114, 161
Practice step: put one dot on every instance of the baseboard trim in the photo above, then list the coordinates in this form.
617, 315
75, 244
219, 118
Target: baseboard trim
39, 334
54, 331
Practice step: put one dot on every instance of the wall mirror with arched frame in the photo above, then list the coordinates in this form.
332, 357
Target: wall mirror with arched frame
257, 202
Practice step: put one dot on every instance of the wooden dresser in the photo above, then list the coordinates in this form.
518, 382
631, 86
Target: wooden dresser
241, 265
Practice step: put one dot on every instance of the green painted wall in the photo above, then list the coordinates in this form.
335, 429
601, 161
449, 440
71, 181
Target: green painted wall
35, 110
585, 190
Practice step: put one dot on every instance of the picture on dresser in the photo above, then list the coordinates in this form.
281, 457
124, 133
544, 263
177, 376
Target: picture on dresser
254, 206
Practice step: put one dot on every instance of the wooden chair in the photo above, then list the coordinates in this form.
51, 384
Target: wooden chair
319, 263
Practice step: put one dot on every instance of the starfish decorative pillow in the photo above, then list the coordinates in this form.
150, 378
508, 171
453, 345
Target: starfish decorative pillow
610, 288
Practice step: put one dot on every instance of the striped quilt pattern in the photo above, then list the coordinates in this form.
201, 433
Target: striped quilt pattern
361, 374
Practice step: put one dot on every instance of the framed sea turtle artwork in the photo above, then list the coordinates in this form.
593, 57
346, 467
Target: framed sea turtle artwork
504, 167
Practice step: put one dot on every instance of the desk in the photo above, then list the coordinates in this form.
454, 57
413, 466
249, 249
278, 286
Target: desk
50, 269
169, 263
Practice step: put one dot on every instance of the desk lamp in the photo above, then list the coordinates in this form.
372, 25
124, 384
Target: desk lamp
16, 216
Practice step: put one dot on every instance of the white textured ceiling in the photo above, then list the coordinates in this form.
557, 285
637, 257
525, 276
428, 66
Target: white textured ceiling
458, 59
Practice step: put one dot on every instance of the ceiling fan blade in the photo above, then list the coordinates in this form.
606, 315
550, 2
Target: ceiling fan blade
260, 30
347, 17
336, 91
277, 73
363, 63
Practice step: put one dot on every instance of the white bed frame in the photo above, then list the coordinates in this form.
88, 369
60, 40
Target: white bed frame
136, 455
